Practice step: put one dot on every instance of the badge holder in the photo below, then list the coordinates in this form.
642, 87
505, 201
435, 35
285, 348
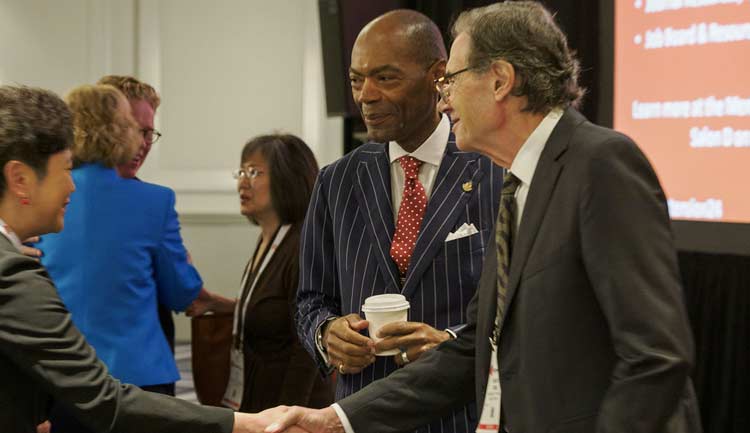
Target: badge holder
489, 422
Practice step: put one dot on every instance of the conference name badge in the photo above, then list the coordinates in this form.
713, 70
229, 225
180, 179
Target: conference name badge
489, 422
236, 385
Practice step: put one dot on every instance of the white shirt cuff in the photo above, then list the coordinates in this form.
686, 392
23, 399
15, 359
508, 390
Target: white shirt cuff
451, 332
342, 416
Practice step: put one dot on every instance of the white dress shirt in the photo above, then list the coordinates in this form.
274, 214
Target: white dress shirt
12, 237
430, 153
527, 158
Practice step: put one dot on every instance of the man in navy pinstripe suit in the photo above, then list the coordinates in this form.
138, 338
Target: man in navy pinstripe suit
350, 225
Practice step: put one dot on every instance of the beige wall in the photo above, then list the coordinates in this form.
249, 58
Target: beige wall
227, 70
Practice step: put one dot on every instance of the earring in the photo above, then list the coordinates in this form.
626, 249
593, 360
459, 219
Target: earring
25, 201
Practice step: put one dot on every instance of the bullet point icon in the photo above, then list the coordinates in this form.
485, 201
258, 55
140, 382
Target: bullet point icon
638, 39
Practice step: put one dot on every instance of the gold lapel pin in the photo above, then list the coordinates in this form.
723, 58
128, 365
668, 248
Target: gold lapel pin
468, 186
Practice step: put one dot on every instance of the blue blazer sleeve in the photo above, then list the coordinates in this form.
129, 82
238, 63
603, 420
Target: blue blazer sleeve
177, 281
318, 293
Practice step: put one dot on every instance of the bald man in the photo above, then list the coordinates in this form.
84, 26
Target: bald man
406, 213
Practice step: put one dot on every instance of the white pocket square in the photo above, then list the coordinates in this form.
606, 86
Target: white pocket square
462, 232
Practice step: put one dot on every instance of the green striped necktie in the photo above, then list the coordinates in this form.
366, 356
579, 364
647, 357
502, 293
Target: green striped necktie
505, 228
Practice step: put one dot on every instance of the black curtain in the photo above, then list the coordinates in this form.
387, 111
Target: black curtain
717, 293
578, 19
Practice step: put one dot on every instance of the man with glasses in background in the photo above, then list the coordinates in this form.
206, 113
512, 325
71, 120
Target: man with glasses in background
144, 100
407, 213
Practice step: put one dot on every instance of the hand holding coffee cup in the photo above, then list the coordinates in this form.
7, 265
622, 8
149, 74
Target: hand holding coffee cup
348, 350
393, 335
411, 338
381, 310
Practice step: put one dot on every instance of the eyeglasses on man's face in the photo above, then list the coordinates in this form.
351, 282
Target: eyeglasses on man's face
443, 84
150, 135
250, 173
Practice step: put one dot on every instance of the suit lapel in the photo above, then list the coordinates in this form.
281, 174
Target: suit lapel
373, 192
542, 185
446, 204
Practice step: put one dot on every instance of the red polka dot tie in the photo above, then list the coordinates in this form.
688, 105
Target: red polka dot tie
410, 214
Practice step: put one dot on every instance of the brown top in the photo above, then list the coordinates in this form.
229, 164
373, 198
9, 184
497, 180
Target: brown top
278, 370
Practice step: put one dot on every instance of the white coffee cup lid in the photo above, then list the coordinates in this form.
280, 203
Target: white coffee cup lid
386, 302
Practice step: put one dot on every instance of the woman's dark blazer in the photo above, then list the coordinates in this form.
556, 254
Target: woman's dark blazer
278, 370
44, 357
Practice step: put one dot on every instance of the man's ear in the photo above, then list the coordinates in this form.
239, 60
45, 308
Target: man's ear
504, 78
18, 178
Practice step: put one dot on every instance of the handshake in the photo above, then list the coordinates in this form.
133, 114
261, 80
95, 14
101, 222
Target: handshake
284, 419
350, 352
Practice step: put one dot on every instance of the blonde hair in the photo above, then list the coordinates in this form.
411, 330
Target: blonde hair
102, 132
132, 88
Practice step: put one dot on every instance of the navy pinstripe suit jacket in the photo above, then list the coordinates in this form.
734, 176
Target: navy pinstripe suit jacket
345, 251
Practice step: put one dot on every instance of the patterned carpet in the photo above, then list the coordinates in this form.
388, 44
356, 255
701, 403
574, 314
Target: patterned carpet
184, 387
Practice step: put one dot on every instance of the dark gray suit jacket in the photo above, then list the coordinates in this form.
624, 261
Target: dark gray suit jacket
596, 337
44, 357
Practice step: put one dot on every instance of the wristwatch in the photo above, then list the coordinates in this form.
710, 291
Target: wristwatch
319, 338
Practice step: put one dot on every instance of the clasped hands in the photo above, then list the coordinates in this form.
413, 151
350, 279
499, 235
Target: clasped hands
284, 419
351, 352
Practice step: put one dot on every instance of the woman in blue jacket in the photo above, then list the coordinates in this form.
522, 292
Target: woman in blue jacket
121, 250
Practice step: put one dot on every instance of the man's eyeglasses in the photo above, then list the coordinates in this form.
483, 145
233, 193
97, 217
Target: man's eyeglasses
444, 83
151, 135
250, 173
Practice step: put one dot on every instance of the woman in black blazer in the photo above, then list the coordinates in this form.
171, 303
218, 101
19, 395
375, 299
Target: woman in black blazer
274, 183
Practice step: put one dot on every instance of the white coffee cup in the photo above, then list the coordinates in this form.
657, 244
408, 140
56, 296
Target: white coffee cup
383, 309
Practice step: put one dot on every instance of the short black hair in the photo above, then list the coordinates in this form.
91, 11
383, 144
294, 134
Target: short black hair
34, 125
293, 170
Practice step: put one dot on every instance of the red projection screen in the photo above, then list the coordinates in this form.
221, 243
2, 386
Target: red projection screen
682, 91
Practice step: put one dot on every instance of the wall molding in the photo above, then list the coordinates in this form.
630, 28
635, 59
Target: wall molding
208, 190
212, 219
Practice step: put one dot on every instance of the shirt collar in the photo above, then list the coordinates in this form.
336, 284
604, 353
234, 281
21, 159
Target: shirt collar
10, 234
524, 164
431, 151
